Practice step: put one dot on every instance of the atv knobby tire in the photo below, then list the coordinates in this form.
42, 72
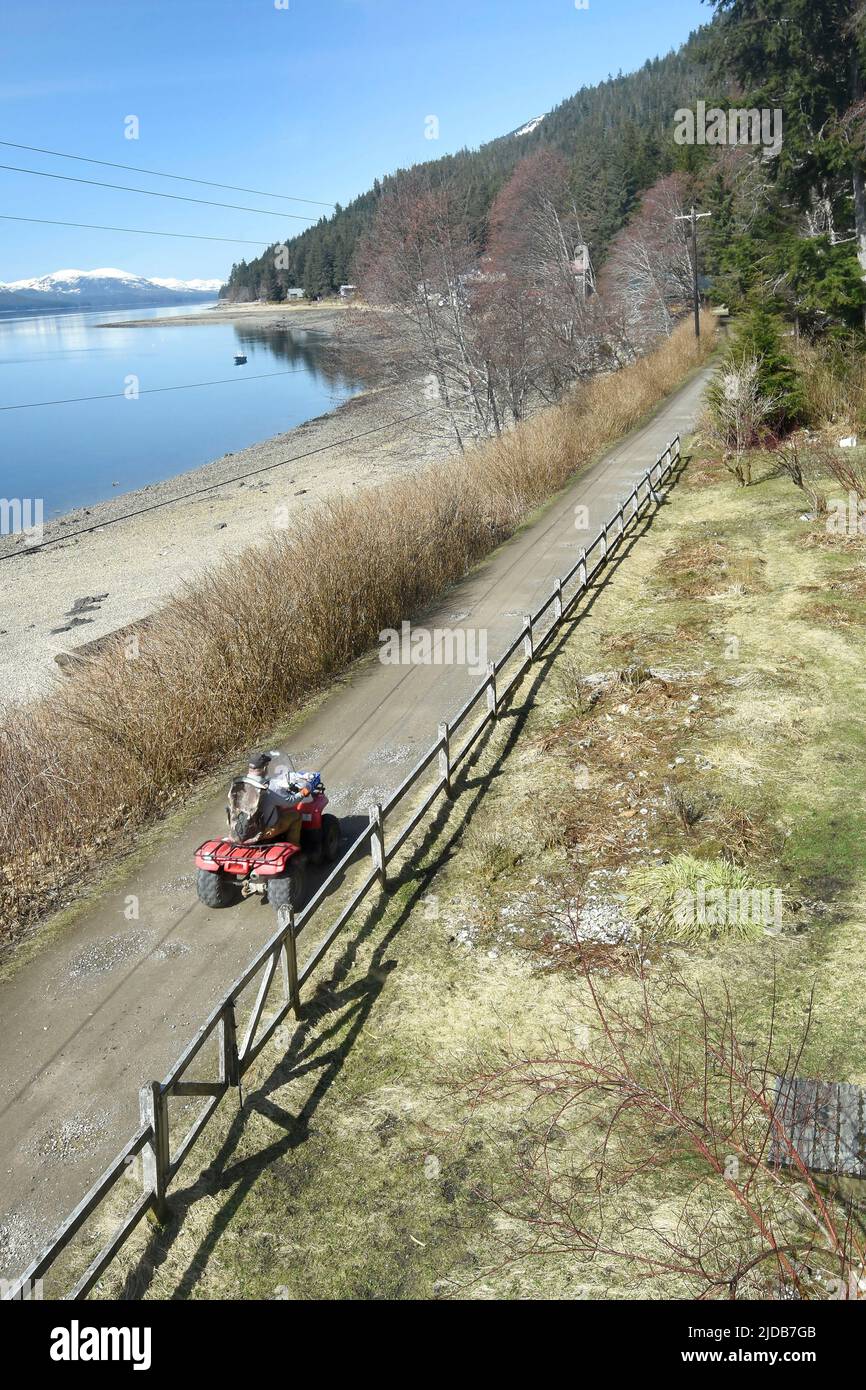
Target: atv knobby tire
216, 889
287, 890
332, 839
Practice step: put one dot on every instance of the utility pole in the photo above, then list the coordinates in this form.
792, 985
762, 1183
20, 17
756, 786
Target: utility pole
693, 217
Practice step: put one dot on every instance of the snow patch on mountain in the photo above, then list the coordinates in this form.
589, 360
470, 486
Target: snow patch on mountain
529, 127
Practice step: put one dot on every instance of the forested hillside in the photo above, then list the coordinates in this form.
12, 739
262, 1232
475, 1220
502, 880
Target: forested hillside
785, 231
617, 137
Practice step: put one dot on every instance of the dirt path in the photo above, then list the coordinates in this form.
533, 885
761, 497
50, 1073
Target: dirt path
113, 1000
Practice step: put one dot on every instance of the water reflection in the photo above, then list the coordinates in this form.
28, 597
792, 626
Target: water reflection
75, 454
305, 348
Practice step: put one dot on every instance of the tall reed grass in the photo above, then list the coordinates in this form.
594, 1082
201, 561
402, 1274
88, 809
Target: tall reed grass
241, 647
833, 381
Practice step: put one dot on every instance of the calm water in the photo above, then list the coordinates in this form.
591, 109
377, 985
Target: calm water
77, 454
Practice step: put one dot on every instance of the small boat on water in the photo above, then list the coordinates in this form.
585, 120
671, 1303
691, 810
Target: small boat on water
240, 359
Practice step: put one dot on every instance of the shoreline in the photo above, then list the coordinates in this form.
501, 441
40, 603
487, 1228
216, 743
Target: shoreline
109, 566
267, 314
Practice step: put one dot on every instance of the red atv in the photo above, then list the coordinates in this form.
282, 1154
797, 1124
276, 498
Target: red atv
248, 861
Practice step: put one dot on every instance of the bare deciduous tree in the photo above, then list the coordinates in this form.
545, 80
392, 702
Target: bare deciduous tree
737, 411
539, 268
513, 325
649, 268
415, 261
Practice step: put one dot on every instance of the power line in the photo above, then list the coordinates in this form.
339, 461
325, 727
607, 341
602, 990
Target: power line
138, 231
159, 174
153, 390
154, 193
197, 492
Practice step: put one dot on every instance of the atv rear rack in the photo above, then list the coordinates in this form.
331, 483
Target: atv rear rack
263, 860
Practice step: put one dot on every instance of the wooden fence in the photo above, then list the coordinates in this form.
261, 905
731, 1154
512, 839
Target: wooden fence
280, 979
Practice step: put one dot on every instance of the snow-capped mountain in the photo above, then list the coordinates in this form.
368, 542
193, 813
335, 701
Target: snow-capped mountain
101, 289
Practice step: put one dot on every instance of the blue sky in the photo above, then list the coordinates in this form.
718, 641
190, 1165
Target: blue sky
315, 99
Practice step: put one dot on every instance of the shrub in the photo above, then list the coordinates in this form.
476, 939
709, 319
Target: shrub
737, 413
834, 385
691, 900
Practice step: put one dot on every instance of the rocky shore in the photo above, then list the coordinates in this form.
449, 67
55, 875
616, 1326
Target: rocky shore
102, 568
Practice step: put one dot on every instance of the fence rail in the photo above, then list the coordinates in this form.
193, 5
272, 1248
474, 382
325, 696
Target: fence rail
280, 981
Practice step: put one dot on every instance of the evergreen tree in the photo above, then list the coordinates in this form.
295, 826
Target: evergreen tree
818, 284
807, 58
759, 335
315, 283
269, 286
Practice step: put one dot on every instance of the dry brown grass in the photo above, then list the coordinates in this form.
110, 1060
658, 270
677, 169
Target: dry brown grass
698, 567
702, 567
851, 582
829, 615
834, 385
626, 728
246, 644
818, 537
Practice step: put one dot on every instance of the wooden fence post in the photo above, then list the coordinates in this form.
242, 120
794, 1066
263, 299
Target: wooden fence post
286, 919
557, 602
581, 569
228, 1045
492, 704
445, 759
377, 844
154, 1155
604, 540
528, 644
621, 519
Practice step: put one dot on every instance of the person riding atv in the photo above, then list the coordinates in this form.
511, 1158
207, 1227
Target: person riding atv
265, 807
278, 823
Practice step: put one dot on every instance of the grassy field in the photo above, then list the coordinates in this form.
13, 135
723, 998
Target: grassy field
424, 1132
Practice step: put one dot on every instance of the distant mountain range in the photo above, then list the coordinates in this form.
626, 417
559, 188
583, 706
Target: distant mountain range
106, 288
